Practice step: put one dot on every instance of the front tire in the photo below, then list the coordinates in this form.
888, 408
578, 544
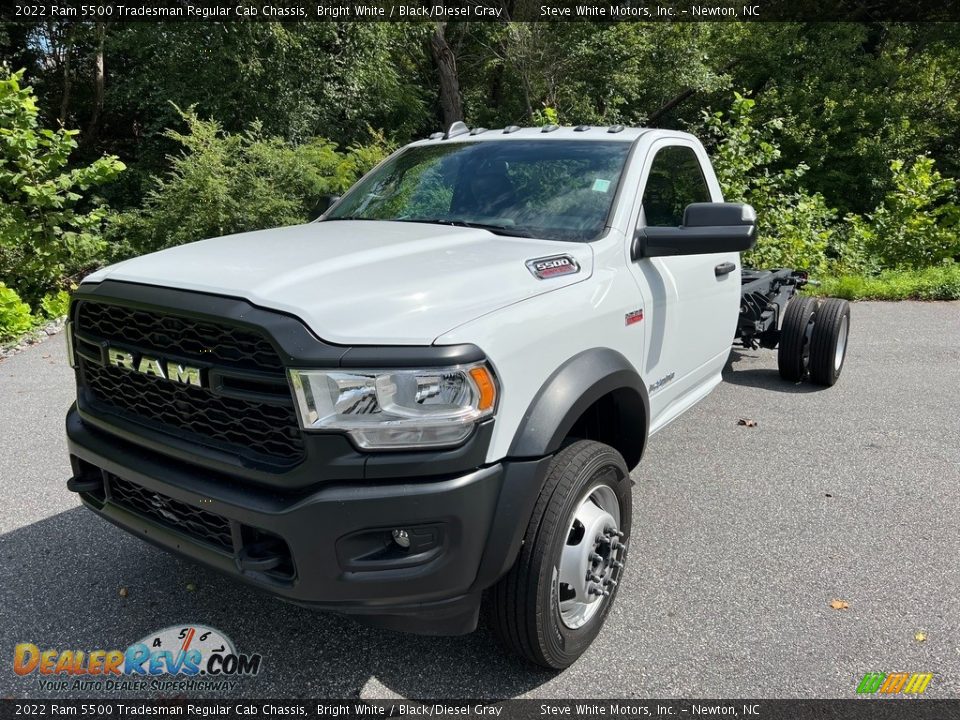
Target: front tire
553, 602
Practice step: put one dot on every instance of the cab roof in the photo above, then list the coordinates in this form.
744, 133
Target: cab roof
459, 132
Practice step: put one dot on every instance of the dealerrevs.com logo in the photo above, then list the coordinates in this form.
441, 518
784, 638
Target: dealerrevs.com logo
178, 658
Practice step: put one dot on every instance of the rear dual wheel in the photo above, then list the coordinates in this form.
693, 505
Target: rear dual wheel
793, 354
828, 343
813, 339
553, 602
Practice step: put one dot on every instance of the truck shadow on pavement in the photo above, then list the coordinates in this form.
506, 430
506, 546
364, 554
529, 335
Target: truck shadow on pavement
62, 580
741, 370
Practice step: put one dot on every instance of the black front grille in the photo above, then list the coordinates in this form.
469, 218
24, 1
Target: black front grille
257, 420
209, 342
207, 527
259, 428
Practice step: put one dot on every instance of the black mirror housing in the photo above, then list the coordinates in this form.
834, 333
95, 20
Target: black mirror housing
323, 204
707, 228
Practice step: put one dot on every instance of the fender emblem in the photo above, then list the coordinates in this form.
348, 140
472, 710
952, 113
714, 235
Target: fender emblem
553, 266
661, 382
633, 317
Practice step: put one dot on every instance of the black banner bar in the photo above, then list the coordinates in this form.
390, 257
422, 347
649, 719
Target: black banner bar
852, 709
479, 10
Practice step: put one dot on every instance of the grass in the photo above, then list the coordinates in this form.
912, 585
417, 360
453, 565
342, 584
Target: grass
935, 283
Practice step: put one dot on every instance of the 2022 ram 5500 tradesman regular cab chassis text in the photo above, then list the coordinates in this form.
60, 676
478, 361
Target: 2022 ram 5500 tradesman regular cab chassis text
438, 388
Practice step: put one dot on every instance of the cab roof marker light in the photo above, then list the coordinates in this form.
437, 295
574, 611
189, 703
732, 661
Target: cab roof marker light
510, 129
581, 128
456, 129
615, 129
549, 128
477, 131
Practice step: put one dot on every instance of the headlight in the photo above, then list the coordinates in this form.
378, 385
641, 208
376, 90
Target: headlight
396, 409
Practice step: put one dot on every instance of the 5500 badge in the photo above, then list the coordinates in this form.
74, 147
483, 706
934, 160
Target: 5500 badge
553, 266
177, 650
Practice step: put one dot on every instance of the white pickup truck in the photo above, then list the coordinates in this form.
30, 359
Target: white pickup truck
441, 386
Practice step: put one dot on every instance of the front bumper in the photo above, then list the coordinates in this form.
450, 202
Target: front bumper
327, 546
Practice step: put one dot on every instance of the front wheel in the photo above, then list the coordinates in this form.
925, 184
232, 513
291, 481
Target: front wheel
553, 602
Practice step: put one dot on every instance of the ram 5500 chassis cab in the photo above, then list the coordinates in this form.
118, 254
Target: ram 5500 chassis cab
440, 387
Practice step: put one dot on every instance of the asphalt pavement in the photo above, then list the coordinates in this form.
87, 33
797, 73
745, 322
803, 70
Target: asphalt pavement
742, 538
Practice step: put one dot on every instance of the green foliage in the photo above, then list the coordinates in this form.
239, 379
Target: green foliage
55, 305
46, 231
934, 283
546, 116
917, 224
795, 228
15, 316
834, 144
222, 183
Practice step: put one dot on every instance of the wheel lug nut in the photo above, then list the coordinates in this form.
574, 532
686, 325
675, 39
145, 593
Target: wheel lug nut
596, 557
611, 582
616, 564
602, 539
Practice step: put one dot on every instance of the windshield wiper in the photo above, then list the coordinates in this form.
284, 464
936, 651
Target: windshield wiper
505, 230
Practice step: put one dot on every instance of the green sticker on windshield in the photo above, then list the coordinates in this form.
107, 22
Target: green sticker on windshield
601, 185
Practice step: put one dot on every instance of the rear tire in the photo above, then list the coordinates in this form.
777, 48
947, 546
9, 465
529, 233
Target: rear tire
828, 343
794, 351
586, 497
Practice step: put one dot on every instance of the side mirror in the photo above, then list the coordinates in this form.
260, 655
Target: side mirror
323, 204
707, 228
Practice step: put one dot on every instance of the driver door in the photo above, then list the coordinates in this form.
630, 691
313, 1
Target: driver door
691, 301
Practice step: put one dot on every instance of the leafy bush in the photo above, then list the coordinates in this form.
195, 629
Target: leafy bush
15, 316
55, 305
918, 223
223, 183
934, 283
46, 231
794, 228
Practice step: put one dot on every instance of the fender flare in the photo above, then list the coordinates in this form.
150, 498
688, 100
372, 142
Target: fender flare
570, 390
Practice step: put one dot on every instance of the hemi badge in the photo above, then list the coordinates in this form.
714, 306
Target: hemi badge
633, 317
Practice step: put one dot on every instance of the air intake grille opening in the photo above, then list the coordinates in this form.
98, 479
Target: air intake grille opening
207, 527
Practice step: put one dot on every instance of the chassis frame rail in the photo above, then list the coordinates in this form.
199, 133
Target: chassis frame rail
764, 295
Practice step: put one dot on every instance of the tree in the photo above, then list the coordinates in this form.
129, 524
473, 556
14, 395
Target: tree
446, 62
47, 228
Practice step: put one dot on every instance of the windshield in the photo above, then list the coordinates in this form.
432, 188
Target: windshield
551, 189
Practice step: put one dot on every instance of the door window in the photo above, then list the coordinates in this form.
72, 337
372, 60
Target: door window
675, 181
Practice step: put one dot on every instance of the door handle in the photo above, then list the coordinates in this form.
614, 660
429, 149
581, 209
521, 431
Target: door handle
724, 269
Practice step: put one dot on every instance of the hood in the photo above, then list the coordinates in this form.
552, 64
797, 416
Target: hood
362, 282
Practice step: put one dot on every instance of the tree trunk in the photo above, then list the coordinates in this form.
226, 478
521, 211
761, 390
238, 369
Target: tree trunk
67, 81
681, 98
99, 81
446, 62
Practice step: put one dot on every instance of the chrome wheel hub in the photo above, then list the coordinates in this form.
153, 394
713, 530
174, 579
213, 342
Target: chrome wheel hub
841, 343
591, 560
